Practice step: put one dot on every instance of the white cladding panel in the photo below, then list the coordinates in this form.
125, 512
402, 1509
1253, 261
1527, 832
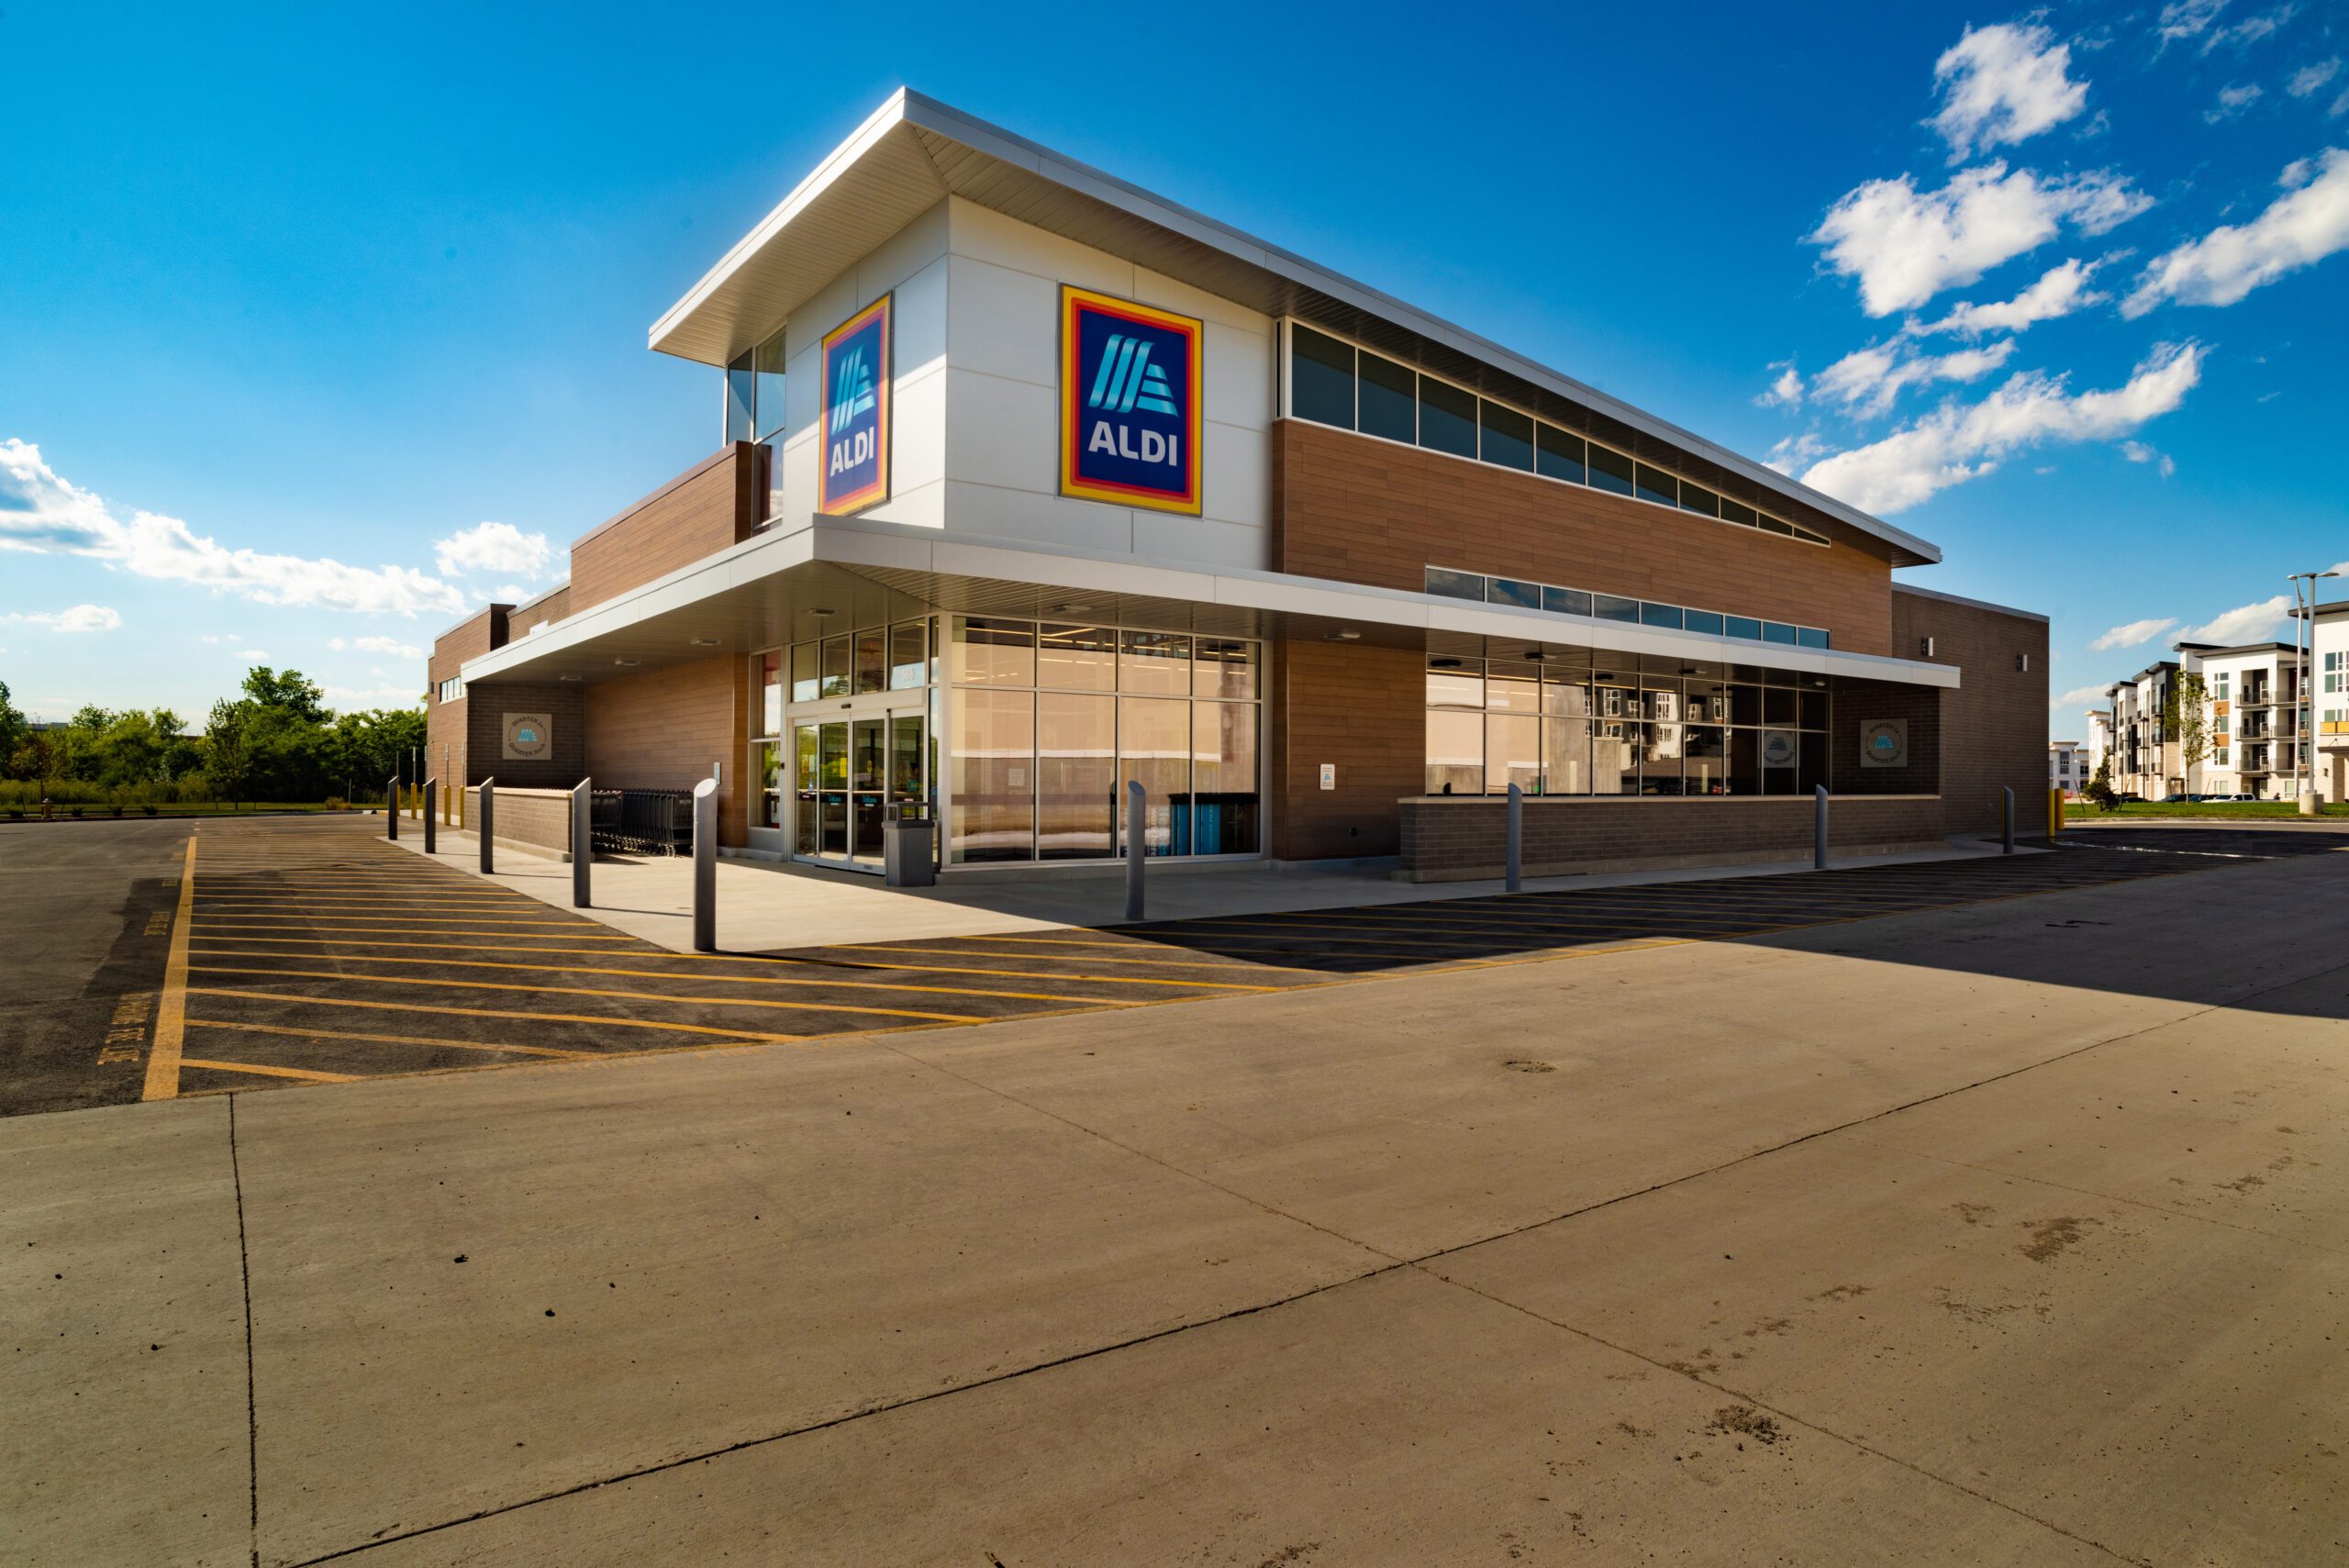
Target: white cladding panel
911, 263
975, 440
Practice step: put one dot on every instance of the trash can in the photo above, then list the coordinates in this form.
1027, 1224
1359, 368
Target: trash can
905, 857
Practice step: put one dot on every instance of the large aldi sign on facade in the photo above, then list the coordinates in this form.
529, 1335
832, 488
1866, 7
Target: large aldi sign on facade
856, 411
1129, 402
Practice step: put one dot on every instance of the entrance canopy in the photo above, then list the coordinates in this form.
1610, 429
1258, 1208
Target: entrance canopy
781, 587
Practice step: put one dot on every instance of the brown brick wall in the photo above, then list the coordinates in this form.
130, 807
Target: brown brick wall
1461, 838
1362, 511
487, 706
447, 755
1362, 708
715, 503
1857, 704
663, 728
1994, 726
537, 819
547, 607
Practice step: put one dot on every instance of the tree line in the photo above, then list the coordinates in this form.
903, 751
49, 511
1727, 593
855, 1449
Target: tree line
276, 742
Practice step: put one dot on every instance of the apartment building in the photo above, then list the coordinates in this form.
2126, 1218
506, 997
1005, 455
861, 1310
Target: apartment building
2145, 760
2100, 742
2328, 704
1032, 485
2067, 767
2252, 720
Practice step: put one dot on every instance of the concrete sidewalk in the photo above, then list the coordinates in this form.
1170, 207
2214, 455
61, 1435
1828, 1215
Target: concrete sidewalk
2007, 1233
766, 906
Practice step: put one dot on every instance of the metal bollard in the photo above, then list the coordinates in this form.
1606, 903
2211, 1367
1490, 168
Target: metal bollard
2007, 793
706, 866
1135, 798
488, 826
1819, 828
392, 809
1516, 882
582, 843
431, 818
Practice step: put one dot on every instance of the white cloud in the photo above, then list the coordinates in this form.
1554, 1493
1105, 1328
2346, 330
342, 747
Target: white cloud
42, 512
2079, 696
2183, 19
1955, 443
252, 656
1794, 452
2233, 99
2244, 623
2003, 83
2135, 634
2250, 29
2308, 80
211, 638
1786, 392
2138, 451
391, 693
492, 547
391, 645
509, 594
81, 617
1905, 245
2060, 291
1867, 381
2308, 223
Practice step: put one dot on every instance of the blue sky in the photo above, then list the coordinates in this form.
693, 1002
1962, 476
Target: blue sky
320, 324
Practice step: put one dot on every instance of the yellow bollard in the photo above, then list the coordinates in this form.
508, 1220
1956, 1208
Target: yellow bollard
2054, 812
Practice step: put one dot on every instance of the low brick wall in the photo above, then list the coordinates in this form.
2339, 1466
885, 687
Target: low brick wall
536, 819
1465, 837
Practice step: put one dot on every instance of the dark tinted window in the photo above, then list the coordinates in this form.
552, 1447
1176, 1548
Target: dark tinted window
1776, 527
1772, 632
1558, 454
741, 393
1705, 620
1447, 417
1566, 601
1814, 710
1455, 584
1654, 485
1611, 469
1745, 704
1743, 626
1777, 705
1321, 378
1506, 590
1660, 615
1698, 499
1507, 438
1390, 400
1810, 637
1606, 606
1739, 512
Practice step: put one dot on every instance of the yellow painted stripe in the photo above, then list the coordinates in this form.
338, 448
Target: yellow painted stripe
594, 934
487, 1013
171, 1011
1162, 963
665, 974
302, 1074
453, 922
584, 991
438, 1041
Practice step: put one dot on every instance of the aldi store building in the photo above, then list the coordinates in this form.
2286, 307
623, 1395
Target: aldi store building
1032, 483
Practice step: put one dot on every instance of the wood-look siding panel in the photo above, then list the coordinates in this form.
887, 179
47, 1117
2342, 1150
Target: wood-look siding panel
715, 504
1361, 510
1364, 710
663, 729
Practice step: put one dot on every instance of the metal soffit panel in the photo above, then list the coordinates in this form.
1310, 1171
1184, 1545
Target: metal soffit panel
918, 150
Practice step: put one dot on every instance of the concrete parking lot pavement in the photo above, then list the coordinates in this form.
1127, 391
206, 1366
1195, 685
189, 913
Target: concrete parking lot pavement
2006, 1231
289, 953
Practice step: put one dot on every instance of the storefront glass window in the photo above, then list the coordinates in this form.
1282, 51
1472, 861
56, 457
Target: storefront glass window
1154, 748
1223, 778
1322, 378
1077, 658
1077, 773
995, 776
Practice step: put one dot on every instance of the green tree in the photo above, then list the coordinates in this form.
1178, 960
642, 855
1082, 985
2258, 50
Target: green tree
370, 747
291, 693
2099, 789
13, 729
2187, 717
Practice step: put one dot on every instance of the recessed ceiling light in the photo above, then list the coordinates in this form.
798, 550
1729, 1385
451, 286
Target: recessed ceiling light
1072, 610
1342, 634
567, 677
1443, 664
820, 613
704, 642
1536, 654
628, 663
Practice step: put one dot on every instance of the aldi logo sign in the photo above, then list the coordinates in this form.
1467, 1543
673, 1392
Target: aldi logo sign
856, 411
1129, 402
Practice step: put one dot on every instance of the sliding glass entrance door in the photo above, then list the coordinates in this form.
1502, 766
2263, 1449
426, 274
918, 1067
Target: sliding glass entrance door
849, 773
